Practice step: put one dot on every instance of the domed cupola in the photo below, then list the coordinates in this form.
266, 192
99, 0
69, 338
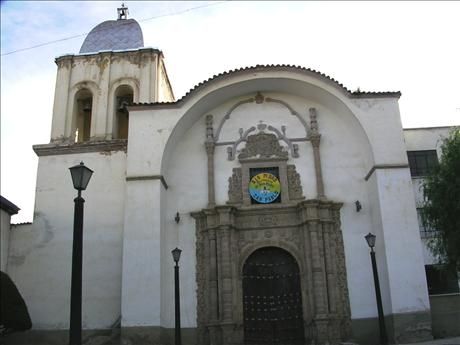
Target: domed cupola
120, 34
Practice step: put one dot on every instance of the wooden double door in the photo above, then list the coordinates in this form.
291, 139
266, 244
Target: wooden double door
272, 300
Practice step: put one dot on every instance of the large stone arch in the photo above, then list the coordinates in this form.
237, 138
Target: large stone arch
208, 96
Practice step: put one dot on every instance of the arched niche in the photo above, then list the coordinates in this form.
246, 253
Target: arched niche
202, 102
121, 87
82, 115
123, 96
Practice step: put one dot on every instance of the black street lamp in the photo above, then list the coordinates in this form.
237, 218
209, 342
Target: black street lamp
370, 238
80, 178
176, 256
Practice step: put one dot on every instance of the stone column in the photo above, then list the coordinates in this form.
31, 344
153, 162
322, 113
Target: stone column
226, 275
62, 117
320, 288
213, 282
319, 283
315, 139
210, 147
329, 264
147, 71
100, 108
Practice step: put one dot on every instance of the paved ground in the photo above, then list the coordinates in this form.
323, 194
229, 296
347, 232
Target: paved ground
446, 341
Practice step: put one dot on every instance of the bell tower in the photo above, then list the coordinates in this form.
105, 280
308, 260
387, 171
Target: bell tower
112, 71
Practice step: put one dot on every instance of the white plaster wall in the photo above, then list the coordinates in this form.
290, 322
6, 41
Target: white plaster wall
40, 256
403, 248
429, 138
141, 302
4, 238
376, 214
381, 121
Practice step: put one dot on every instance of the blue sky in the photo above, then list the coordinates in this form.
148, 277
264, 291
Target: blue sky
410, 47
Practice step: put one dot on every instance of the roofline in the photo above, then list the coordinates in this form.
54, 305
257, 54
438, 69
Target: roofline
111, 52
438, 127
270, 68
19, 224
8, 206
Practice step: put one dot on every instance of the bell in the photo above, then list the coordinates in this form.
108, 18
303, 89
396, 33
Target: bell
87, 106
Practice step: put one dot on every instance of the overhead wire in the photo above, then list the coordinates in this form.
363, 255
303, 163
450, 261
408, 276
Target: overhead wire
104, 28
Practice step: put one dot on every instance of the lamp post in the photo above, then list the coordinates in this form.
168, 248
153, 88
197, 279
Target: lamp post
176, 256
370, 239
80, 178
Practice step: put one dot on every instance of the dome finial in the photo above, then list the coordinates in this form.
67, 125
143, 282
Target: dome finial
122, 12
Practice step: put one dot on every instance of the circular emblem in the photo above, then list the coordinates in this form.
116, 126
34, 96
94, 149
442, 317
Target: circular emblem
264, 188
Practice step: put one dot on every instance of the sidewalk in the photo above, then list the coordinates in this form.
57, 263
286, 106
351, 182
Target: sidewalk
445, 341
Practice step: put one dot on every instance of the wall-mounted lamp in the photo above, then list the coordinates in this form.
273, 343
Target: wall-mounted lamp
177, 218
358, 206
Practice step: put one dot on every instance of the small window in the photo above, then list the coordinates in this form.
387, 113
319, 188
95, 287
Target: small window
422, 162
441, 279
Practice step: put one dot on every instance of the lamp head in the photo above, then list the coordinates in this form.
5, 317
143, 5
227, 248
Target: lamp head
80, 176
176, 254
370, 238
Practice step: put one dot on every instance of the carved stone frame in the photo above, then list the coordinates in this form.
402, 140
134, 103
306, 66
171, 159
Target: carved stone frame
267, 163
309, 230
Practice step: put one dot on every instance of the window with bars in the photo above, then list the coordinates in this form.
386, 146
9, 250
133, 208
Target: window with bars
424, 231
421, 162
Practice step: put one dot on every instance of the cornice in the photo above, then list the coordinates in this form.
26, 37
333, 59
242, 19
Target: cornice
104, 146
111, 53
8, 206
385, 166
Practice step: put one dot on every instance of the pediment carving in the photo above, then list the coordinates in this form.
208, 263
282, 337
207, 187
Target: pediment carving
263, 145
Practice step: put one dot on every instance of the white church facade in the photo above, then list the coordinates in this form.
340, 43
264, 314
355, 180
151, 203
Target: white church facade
268, 178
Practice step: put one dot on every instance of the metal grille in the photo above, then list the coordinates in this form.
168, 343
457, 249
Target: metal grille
422, 162
272, 302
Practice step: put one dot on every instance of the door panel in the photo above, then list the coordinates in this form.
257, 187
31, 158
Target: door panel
272, 302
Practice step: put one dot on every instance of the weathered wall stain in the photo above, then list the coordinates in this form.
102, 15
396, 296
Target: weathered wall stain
41, 235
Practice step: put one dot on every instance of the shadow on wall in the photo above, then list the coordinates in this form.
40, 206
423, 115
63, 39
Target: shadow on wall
14, 316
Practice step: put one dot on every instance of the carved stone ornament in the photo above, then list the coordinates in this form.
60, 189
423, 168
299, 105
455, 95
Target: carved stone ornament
294, 184
262, 145
235, 193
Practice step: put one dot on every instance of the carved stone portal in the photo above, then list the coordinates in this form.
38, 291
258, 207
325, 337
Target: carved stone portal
309, 230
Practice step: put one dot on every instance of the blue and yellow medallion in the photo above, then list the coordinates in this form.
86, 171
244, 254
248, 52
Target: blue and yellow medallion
264, 188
